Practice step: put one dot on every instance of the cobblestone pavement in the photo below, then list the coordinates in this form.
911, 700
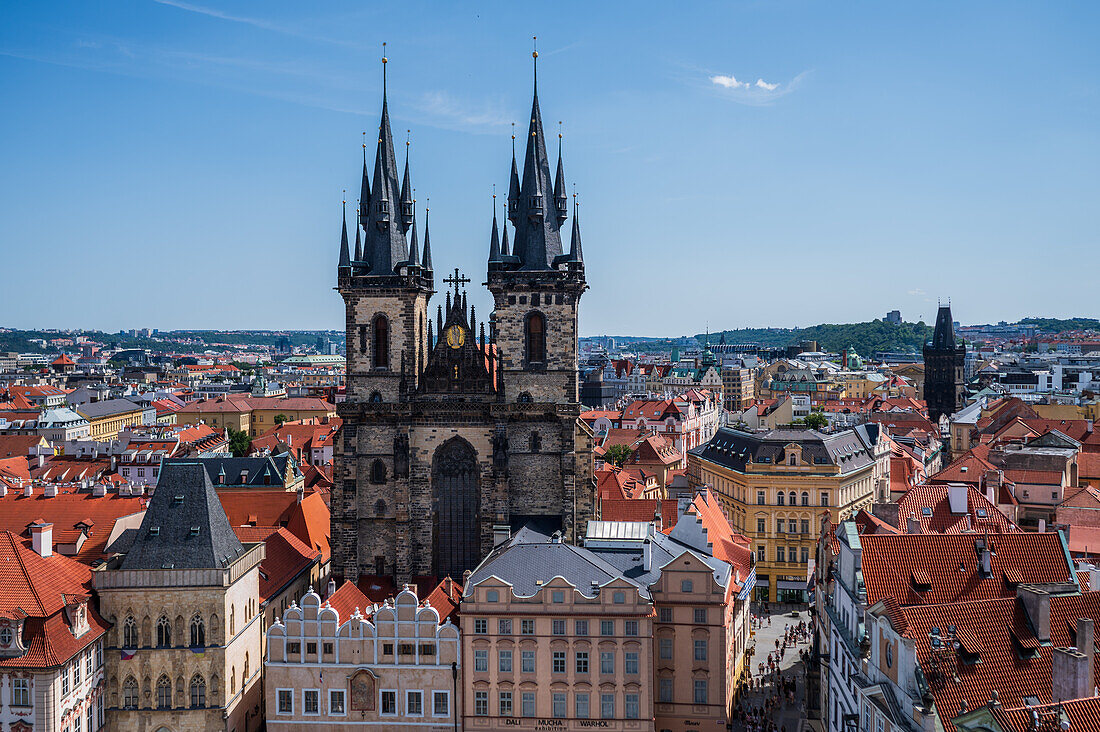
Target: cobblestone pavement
786, 715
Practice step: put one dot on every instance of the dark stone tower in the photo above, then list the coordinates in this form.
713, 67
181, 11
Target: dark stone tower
537, 288
943, 368
453, 431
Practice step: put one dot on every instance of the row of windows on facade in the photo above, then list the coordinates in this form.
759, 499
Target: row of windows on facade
83, 666
91, 721
294, 648
796, 554
792, 498
560, 701
164, 694
378, 334
387, 702
581, 627
131, 638
790, 526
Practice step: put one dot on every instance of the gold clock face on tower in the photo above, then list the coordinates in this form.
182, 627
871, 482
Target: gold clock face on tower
456, 336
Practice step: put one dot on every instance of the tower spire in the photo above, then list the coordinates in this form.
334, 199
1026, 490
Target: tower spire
494, 237
406, 190
575, 254
504, 239
345, 256
561, 201
427, 264
364, 189
513, 182
358, 245
414, 246
384, 244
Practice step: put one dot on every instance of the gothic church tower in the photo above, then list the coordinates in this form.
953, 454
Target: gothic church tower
944, 359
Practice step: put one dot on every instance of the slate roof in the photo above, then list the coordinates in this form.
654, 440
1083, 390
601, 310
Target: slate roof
530, 557
269, 470
184, 525
106, 408
889, 562
733, 448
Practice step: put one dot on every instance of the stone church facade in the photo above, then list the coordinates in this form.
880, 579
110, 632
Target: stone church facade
455, 430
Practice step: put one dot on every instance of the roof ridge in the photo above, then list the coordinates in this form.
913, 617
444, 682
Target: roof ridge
26, 574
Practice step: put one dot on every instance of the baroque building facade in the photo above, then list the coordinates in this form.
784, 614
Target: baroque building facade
453, 427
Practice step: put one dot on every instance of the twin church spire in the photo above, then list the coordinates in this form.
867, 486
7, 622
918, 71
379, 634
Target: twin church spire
537, 207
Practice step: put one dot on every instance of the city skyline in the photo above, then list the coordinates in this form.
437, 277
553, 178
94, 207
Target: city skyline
189, 154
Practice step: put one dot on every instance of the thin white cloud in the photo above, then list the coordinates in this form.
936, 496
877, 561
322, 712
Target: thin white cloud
247, 20
729, 81
917, 292
446, 110
758, 94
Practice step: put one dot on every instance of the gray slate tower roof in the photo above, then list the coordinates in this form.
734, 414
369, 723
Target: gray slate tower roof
384, 245
944, 335
185, 526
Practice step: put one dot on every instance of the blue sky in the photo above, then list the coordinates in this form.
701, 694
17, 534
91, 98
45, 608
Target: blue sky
180, 164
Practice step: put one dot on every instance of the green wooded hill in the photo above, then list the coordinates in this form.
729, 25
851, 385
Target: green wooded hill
867, 338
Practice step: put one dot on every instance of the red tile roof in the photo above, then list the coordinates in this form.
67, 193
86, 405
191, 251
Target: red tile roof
347, 599
942, 520
888, 560
310, 522
37, 587
1083, 715
65, 511
639, 509
445, 598
285, 557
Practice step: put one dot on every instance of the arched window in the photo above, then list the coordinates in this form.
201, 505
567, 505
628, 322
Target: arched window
244, 674
536, 442
793, 498
164, 693
130, 693
233, 680
232, 620
130, 633
376, 397
198, 632
378, 472
362, 338
198, 691
164, 633
380, 358
536, 338
524, 398
779, 499
805, 498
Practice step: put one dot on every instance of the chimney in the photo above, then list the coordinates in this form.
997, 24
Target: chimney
1042, 525
1072, 672
50, 490
41, 460
1094, 578
449, 585
501, 534
912, 525
1037, 604
301, 491
330, 589
28, 490
42, 539
99, 490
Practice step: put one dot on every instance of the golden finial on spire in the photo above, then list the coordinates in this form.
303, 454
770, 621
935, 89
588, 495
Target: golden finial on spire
384, 59
408, 137
534, 47
364, 140
559, 129
513, 130
344, 193
494, 193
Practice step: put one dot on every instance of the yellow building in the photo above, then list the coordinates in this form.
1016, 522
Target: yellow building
109, 416
254, 415
777, 488
738, 388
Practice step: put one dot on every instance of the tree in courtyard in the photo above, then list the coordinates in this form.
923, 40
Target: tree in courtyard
617, 455
240, 444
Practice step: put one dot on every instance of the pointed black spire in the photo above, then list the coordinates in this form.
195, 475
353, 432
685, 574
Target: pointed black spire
575, 254
944, 335
384, 234
561, 201
473, 318
406, 194
494, 238
439, 315
430, 336
513, 182
504, 240
427, 264
345, 256
364, 189
358, 246
414, 246
537, 240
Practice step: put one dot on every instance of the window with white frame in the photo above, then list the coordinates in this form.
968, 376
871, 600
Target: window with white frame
336, 701
311, 701
286, 701
414, 703
21, 692
481, 659
441, 703
527, 662
389, 702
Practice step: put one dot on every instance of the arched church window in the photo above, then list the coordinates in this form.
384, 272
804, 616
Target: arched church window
164, 633
381, 355
378, 472
536, 338
376, 397
536, 442
130, 693
198, 691
524, 398
130, 633
198, 632
164, 693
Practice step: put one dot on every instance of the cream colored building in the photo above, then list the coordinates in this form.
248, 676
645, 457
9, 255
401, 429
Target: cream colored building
184, 652
346, 664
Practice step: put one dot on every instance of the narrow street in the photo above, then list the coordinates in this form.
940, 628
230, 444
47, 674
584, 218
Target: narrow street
769, 709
